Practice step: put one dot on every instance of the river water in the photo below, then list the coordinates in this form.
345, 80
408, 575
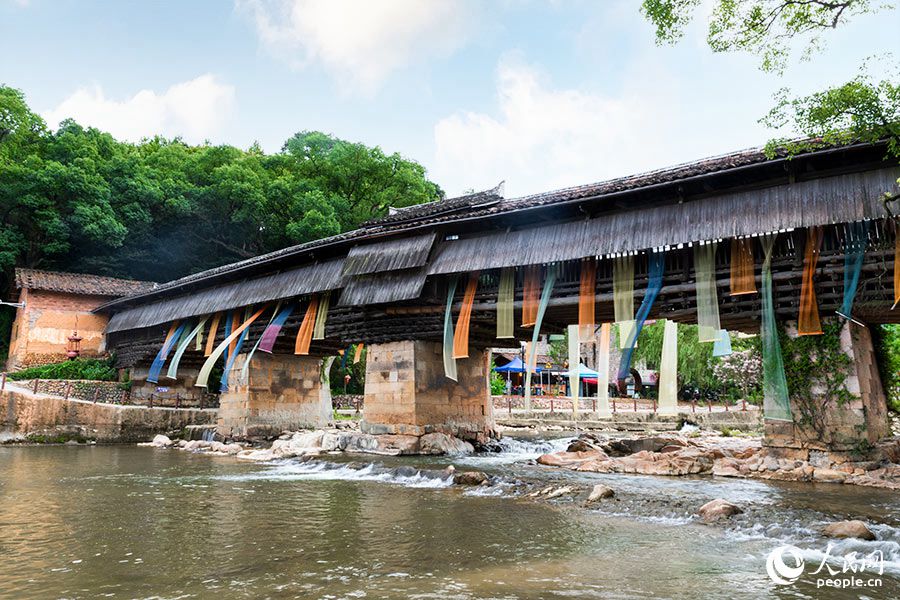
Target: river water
130, 522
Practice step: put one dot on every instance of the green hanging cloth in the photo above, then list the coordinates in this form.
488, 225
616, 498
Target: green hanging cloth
668, 369
321, 317
449, 361
707, 299
172, 373
574, 366
505, 298
549, 282
776, 402
623, 297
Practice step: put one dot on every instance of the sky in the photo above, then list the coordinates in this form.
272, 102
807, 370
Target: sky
538, 94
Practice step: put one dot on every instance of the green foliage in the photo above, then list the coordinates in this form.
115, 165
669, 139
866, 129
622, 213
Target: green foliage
79, 200
816, 369
357, 372
887, 348
766, 28
498, 384
695, 359
80, 368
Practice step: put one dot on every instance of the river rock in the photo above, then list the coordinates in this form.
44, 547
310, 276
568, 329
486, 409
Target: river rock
628, 446
159, 441
718, 508
470, 478
570, 459
441, 443
563, 491
600, 492
849, 529
829, 476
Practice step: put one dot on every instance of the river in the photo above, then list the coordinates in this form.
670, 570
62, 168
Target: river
132, 522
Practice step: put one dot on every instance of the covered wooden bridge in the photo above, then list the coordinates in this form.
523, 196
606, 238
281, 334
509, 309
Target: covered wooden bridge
737, 242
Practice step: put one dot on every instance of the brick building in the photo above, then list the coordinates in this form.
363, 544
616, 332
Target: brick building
56, 304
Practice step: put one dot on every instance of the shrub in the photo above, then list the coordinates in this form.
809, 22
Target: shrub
81, 368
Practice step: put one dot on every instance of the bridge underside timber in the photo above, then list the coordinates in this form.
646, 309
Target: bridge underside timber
388, 282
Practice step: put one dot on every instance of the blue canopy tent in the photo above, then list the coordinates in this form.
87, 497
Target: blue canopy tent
585, 375
515, 366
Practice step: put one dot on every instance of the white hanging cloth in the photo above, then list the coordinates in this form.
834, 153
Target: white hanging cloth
668, 370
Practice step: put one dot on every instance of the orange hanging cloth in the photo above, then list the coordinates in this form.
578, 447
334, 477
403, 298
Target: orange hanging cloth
586, 309
743, 278
304, 336
531, 293
808, 322
358, 353
235, 323
461, 334
896, 265
213, 329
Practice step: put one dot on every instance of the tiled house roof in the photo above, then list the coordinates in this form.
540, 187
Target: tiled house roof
80, 283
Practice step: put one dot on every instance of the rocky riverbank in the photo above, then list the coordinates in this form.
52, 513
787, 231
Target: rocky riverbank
743, 457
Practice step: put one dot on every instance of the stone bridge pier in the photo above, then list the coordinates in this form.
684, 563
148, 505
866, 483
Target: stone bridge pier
281, 393
407, 393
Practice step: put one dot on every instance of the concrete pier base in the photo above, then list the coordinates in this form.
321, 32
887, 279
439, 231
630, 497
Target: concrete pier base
281, 393
407, 393
852, 426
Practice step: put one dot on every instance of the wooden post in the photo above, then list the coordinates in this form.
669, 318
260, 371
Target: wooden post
551, 405
151, 401
68, 389
124, 397
593, 404
2, 381
654, 404
509, 404
36, 385
614, 404
635, 403
709, 405
201, 400
97, 394
744, 404
693, 405
178, 400
726, 405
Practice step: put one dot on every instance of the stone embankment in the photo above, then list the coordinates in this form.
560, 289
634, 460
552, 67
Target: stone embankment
25, 416
673, 454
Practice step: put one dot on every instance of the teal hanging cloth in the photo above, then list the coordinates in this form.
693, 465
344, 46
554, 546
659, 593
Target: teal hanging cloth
161, 356
657, 266
722, 345
172, 373
223, 382
449, 361
229, 324
549, 282
854, 253
776, 402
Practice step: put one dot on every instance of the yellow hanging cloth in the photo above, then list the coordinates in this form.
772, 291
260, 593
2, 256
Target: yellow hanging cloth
586, 298
461, 333
531, 293
808, 322
358, 353
743, 279
304, 336
213, 330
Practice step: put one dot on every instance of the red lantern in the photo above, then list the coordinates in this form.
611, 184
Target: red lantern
73, 347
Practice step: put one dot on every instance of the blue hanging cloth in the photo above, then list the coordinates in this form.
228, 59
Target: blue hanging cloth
229, 361
163, 354
722, 345
854, 253
656, 269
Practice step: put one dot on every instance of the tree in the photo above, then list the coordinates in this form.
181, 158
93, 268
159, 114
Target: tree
862, 109
695, 359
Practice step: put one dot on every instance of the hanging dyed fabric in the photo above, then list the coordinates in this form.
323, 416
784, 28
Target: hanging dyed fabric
668, 370
235, 323
623, 297
656, 268
722, 345
358, 353
808, 322
207, 367
449, 361
586, 298
223, 382
549, 282
245, 370
172, 373
743, 278
574, 366
776, 403
199, 337
505, 299
321, 317
304, 334
707, 299
854, 253
213, 330
172, 337
461, 334
896, 264
531, 291
603, 370
229, 322
270, 334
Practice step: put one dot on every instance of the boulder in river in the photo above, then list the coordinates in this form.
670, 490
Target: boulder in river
600, 492
441, 443
849, 529
563, 491
470, 478
717, 509
159, 441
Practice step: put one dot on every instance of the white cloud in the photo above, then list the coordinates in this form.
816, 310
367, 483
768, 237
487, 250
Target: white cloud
360, 42
544, 138
194, 110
